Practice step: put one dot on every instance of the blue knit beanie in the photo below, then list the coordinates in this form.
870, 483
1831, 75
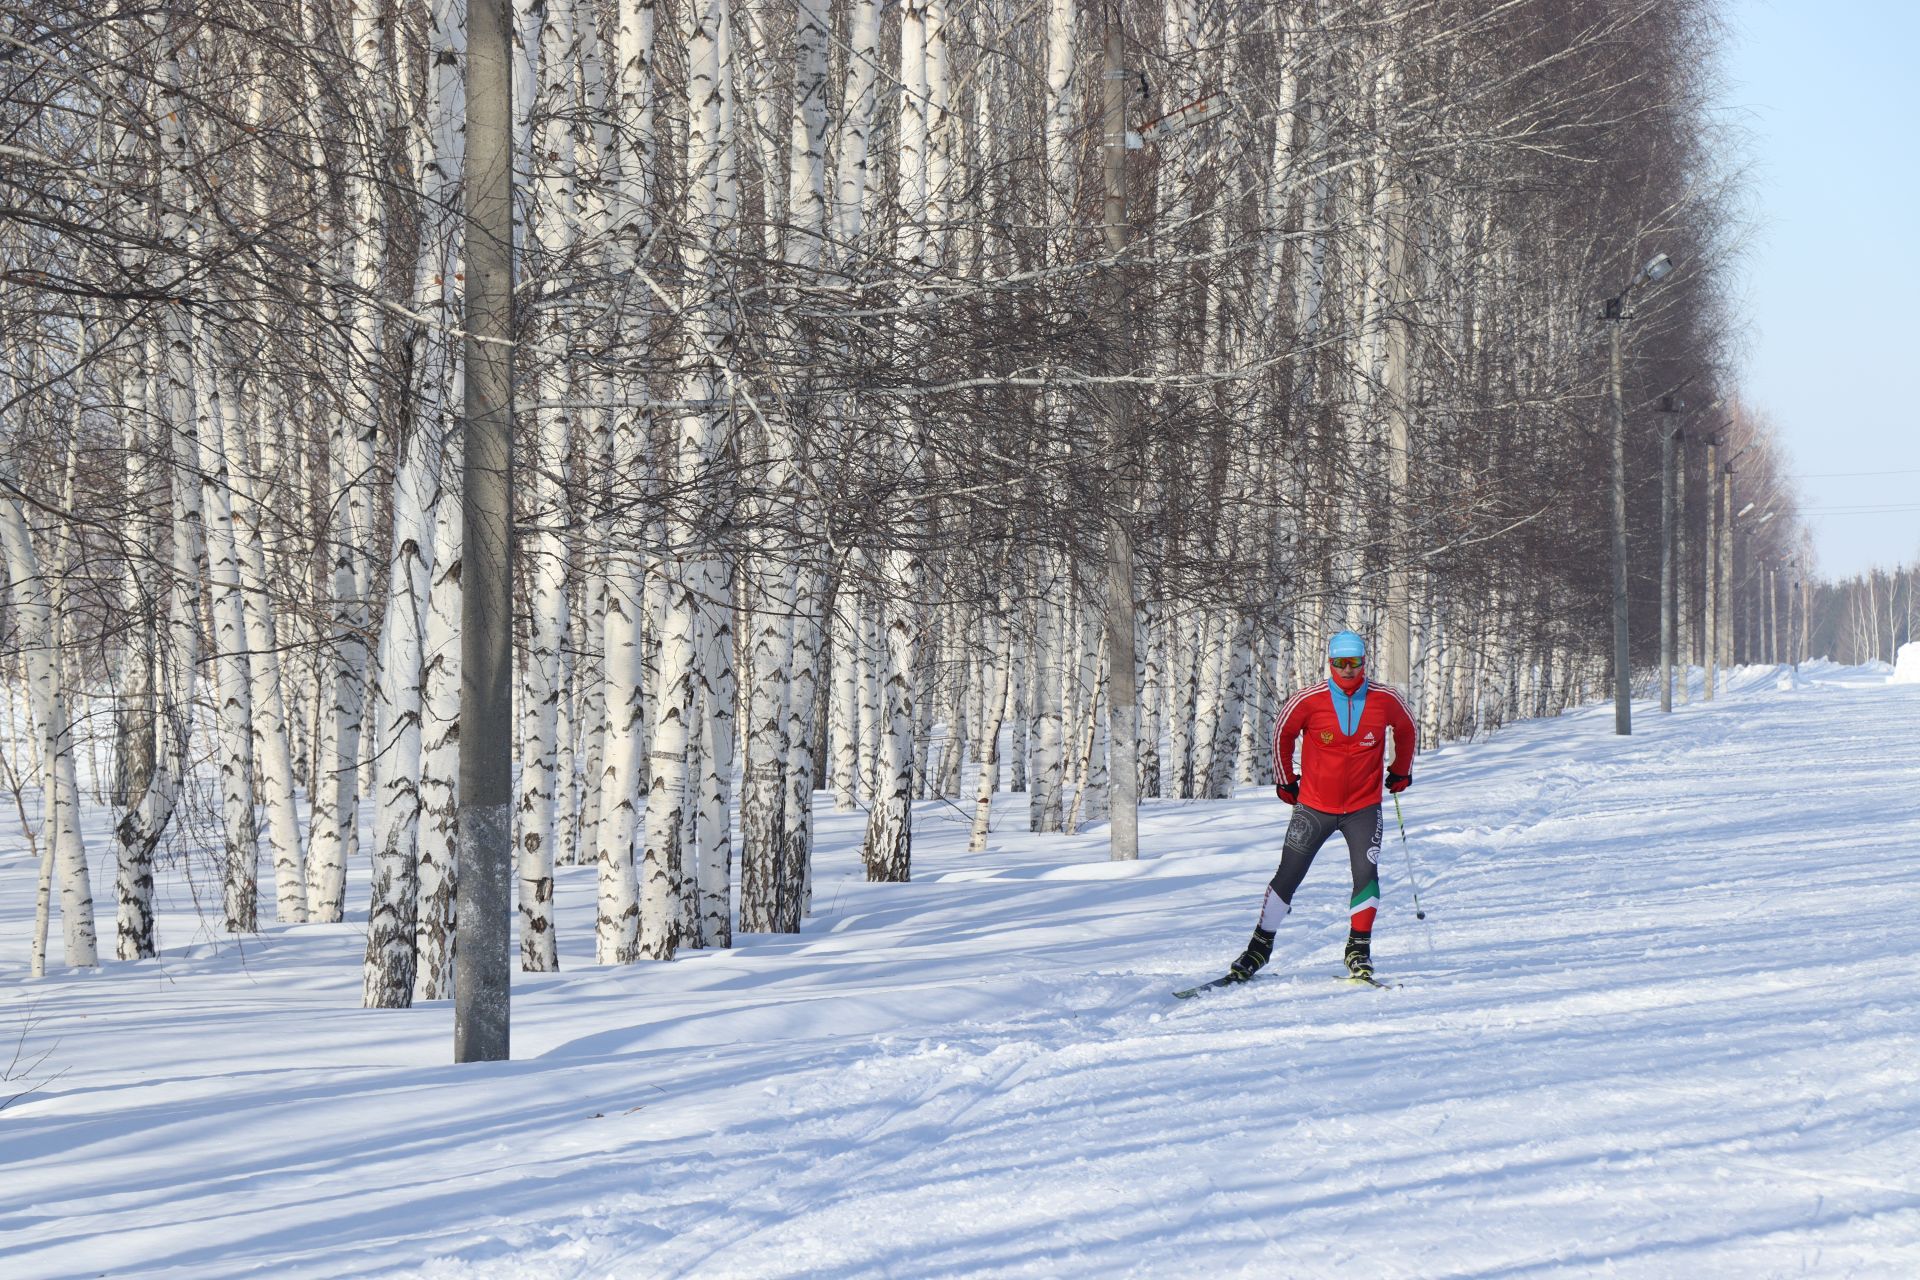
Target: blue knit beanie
1346, 644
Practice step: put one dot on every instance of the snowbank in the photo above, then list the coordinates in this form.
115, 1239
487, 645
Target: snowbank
1906, 664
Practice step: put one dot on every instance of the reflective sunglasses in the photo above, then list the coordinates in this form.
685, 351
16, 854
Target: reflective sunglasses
1347, 664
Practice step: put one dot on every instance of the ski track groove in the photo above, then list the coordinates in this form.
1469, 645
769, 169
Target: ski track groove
919, 1116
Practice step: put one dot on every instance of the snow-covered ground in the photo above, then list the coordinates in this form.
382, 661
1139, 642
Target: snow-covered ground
1660, 1021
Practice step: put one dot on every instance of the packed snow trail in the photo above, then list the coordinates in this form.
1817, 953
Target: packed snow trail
1660, 1021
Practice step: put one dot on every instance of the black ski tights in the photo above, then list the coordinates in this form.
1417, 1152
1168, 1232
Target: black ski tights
1309, 830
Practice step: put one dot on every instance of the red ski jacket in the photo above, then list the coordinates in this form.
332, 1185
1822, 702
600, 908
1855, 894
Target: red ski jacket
1340, 765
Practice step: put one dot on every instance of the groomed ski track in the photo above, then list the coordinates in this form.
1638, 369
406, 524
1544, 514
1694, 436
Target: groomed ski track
1661, 1021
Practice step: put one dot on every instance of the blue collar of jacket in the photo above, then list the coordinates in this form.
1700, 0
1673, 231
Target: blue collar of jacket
1348, 706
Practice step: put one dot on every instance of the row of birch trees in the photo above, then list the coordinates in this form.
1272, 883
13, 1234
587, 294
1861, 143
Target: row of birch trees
817, 337
1863, 618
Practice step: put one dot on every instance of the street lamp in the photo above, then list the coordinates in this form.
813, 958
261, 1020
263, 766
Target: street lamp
1771, 613
1658, 268
1736, 598
1793, 589
1669, 404
1760, 628
1688, 613
1721, 637
1710, 599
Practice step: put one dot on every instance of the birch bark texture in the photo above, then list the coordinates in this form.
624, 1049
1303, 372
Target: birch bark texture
835, 408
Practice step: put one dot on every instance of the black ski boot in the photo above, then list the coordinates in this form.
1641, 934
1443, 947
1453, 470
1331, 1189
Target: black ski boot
1259, 951
1359, 955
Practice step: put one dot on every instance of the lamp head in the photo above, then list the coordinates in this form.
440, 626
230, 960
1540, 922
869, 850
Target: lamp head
1658, 268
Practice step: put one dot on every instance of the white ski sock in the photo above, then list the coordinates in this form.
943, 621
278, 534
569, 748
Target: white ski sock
1272, 911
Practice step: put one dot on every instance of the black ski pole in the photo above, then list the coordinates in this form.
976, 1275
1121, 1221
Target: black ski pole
1418, 911
1407, 849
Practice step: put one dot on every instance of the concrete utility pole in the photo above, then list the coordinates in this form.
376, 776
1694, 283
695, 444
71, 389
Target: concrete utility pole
1773, 613
483, 904
1668, 441
1622, 671
1710, 640
1123, 713
1747, 625
1683, 598
1729, 576
1806, 625
1791, 648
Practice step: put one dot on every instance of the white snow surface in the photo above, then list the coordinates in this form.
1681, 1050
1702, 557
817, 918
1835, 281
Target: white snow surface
1906, 663
1659, 1021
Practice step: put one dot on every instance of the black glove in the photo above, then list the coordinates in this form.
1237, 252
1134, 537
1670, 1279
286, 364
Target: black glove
1288, 791
1398, 782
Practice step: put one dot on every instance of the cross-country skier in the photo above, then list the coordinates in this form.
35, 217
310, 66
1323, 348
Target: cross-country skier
1341, 725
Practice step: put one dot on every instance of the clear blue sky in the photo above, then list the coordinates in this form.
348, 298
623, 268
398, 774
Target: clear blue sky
1828, 93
